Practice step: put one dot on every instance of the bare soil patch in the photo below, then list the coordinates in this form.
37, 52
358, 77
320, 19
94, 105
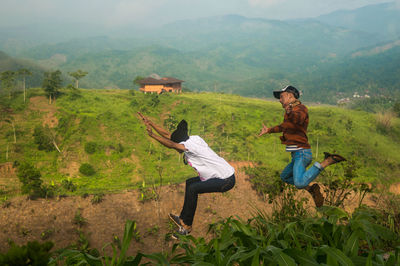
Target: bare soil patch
41, 104
53, 219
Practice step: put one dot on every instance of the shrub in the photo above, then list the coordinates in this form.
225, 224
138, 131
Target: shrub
32, 253
384, 121
91, 147
30, 177
396, 108
268, 185
97, 198
43, 139
68, 185
87, 169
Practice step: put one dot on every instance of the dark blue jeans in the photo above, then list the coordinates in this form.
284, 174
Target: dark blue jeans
194, 187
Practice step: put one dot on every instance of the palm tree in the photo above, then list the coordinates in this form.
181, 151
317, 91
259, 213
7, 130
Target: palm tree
24, 72
77, 75
7, 81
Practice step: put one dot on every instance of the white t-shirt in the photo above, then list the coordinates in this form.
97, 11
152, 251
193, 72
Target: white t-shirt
206, 162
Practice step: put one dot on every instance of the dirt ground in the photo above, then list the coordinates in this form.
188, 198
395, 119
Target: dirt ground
53, 219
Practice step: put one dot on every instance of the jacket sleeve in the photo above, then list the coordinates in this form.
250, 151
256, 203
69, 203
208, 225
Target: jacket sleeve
296, 118
276, 129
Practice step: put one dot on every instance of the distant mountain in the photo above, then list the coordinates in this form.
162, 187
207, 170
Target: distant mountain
224, 50
372, 71
241, 55
381, 19
9, 63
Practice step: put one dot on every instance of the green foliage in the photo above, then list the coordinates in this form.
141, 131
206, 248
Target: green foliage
52, 83
92, 257
228, 123
147, 193
33, 253
267, 183
30, 178
97, 198
68, 185
43, 138
339, 184
332, 239
396, 108
91, 147
7, 81
79, 219
87, 169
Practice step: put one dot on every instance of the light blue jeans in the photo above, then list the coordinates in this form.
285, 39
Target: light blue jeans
295, 172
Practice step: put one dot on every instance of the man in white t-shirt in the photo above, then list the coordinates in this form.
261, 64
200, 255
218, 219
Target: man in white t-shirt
214, 173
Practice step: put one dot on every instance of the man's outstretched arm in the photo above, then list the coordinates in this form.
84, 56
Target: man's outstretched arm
156, 127
165, 141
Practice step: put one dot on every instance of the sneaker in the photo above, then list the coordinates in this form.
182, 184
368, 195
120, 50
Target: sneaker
181, 231
315, 192
175, 219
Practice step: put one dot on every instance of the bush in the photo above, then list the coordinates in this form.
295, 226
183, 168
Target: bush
30, 177
68, 185
87, 169
43, 139
267, 183
396, 108
91, 147
33, 253
384, 121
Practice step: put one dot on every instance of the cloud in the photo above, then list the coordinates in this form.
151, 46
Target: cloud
264, 3
133, 11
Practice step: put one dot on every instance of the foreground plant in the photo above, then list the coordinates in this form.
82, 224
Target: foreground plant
335, 238
92, 257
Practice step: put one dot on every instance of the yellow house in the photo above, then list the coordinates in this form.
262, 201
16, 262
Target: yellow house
160, 85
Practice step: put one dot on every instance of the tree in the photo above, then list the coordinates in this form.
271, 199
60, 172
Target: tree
77, 75
52, 83
136, 81
396, 108
7, 81
24, 72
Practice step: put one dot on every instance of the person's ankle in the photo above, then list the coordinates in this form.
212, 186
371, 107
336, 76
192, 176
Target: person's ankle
187, 227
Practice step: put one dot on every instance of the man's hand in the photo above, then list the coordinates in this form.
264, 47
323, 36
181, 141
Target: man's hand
263, 131
145, 119
149, 130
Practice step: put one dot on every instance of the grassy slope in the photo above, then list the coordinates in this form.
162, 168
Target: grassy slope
229, 123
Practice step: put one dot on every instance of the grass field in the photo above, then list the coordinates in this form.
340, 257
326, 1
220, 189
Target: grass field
124, 157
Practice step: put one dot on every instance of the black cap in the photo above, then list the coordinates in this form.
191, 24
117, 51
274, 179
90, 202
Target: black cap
291, 89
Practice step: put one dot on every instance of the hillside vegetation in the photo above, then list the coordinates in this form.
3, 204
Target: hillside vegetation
100, 128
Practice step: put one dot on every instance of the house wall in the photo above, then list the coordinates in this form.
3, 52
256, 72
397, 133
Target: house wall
152, 88
158, 88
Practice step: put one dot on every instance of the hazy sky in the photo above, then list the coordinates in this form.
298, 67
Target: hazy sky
111, 13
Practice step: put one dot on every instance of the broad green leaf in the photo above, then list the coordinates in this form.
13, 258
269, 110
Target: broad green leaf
284, 259
301, 257
351, 247
256, 259
337, 255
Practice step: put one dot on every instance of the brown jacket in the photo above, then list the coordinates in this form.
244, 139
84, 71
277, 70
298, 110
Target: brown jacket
294, 127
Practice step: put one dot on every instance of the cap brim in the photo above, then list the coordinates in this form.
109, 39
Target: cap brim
277, 94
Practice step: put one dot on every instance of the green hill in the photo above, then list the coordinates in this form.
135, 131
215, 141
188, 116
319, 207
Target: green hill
10, 63
99, 127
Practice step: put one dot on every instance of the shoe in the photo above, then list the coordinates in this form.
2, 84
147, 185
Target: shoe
175, 219
335, 157
316, 194
181, 231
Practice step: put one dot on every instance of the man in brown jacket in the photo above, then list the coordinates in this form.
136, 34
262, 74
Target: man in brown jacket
294, 129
